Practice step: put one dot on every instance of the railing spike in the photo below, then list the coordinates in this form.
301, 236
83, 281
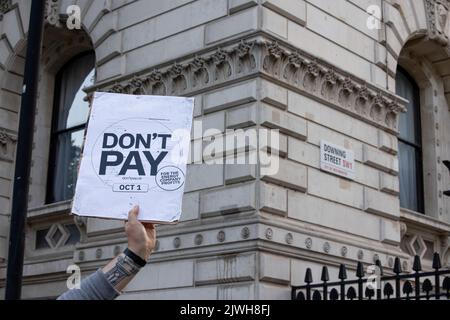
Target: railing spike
308, 276
436, 261
397, 266
325, 276
417, 265
418, 285
342, 272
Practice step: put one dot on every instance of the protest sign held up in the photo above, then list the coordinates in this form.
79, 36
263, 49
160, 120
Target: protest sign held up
135, 153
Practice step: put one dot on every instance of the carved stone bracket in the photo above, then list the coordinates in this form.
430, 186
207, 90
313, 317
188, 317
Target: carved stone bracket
445, 249
51, 14
7, 142
81, 223
294, 69
438, 20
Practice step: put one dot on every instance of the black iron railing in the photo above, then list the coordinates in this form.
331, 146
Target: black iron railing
411, 286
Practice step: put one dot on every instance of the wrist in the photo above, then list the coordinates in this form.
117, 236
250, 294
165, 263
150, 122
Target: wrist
138, 257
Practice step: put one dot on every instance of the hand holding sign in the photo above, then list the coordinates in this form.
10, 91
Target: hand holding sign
141, 236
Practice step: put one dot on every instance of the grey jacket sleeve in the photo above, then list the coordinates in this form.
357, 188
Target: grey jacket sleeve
95, 287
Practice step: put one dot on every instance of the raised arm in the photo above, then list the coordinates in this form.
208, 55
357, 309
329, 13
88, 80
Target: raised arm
107, 283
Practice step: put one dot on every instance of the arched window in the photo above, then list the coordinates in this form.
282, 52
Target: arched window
410, 145
70, 114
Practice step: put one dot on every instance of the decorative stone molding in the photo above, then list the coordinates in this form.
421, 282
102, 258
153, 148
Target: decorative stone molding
98, 253
245, 233
289, 238
81, 223
405, 266
197, 73
176, 242
376, 257
198, 240
55, 237
338, 89
390, 262
403, 229
308, 243
360, 254
51, 14
185, 244
269, 234
445, 249
293, 68
221, 236
7, 144
81, 255
438, 19
416, 245
5, 6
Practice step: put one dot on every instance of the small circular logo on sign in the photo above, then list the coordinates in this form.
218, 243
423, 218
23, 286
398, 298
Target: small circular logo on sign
170, 178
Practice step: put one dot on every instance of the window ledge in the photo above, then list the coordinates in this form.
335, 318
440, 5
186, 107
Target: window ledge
423, 221
50, 210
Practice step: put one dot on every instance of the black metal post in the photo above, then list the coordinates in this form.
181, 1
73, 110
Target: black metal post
23, 153
417, 267
308, 281
342, 276
360, 275
325, 277
388, 290
397, 271
447, 164
380, 275
437, 282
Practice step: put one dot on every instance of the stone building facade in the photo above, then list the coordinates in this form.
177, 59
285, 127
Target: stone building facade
313, 69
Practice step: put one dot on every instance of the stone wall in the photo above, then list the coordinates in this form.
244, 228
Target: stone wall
312, 70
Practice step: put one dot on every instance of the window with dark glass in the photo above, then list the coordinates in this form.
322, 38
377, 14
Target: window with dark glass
70, 115
410, 145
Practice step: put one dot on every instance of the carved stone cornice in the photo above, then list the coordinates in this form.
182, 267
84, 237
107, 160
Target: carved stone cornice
438, 18
292, 69
342, 91
195, 74
5, 6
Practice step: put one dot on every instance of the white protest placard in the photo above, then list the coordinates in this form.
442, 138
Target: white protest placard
337, 160
135, 153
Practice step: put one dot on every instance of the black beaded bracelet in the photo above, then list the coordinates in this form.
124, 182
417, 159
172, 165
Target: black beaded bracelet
138, 260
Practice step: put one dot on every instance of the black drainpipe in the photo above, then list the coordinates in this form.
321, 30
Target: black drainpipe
23, 153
